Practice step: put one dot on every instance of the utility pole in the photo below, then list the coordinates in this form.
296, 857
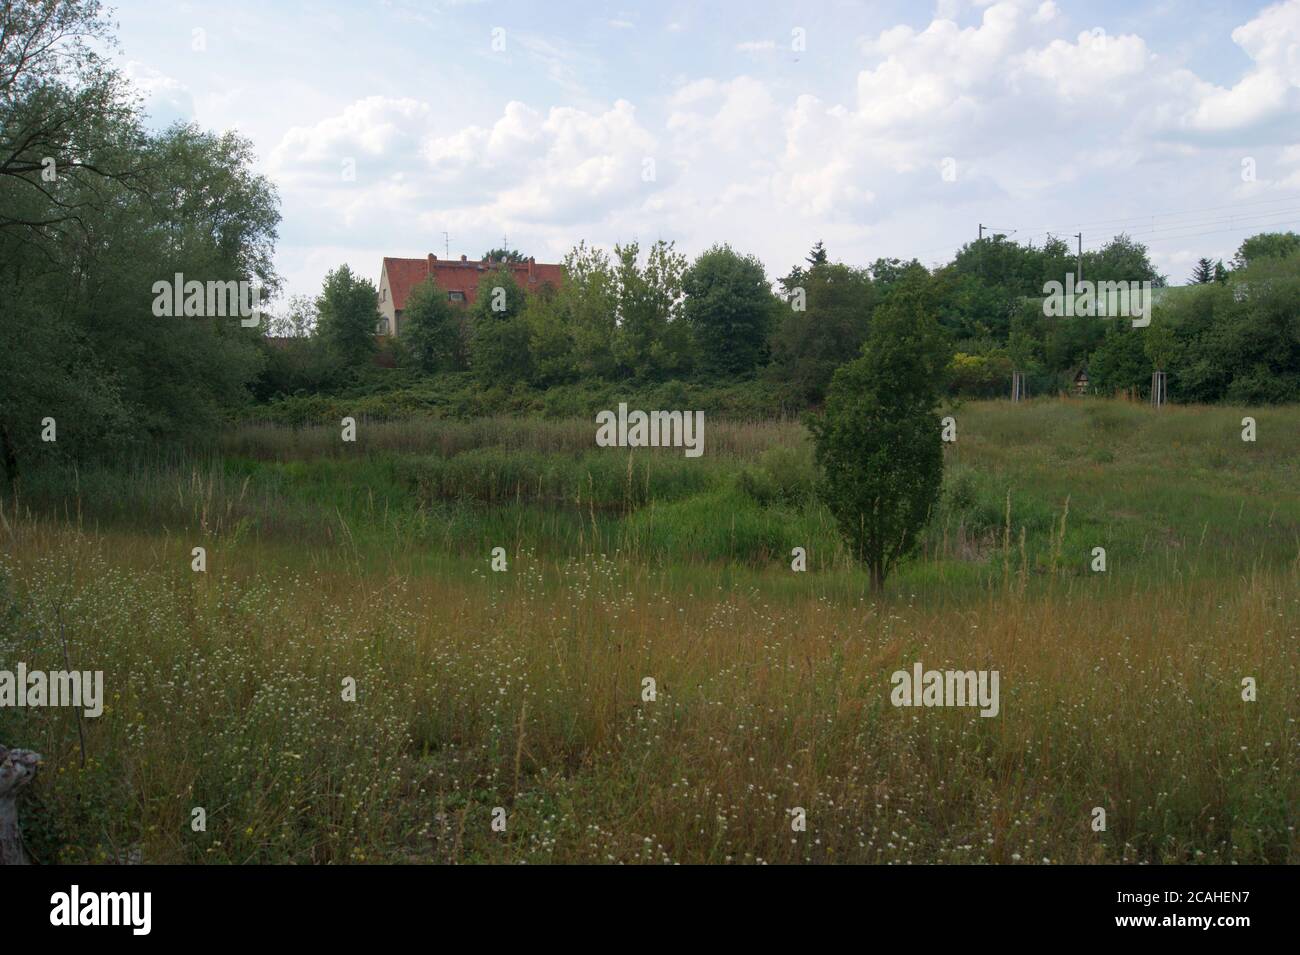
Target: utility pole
1079, 278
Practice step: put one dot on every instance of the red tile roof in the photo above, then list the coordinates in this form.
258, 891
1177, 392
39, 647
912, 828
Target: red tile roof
462, 276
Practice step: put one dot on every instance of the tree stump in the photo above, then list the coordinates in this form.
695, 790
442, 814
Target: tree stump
17, 769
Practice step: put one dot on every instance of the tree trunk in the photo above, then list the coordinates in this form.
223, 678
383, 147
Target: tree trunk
877, 576
17, 769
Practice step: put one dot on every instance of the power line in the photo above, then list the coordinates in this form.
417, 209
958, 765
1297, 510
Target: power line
1250, 228
1236, 222
1046, 230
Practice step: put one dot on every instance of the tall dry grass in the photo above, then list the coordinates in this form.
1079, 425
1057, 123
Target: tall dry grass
524, 691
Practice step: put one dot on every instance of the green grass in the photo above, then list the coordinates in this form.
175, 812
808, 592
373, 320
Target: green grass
523, 689
1166, 493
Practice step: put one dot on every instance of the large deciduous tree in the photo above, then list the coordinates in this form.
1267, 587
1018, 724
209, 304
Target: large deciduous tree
349, 316
729, 307
94, 211
431, 329
821, 325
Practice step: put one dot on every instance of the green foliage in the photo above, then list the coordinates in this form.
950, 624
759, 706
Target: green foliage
79, 342
430, 329
1120, 362
1121, 260
729, 307
980, 376
1266, 245
588, 300
1160, 345
349, 317
1011, 270
807, 346
1238, 342
878, 442
650, 341
784, 476
500, 350
501, 254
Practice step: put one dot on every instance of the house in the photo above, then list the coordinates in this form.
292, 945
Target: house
1079, 381
397, 277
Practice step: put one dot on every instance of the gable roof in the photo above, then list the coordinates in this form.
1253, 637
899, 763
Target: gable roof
462, 276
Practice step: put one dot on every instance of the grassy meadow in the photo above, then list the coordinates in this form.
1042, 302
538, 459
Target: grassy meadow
523, 689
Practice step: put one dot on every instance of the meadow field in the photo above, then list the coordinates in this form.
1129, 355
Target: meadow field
523, 690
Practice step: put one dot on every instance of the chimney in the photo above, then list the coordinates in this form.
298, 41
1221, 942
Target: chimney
429, 263
463, 259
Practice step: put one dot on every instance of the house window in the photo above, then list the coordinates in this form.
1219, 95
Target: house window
383, 295
455, 296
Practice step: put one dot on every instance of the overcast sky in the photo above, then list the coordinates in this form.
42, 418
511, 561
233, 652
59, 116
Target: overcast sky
883, 129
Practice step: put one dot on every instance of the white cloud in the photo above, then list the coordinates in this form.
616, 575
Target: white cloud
1272, 41
380, 134
1034, 119
526, 166
1047, 12
165, 99
1096, 62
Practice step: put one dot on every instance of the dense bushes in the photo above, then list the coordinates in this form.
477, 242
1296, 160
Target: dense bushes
462, 396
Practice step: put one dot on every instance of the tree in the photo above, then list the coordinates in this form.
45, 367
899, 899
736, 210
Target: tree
499, 337
298, 320
808, 345
1120, 361
1203, 273
1266, 245
887, 273
1121, 260
431, 329
650, 342
504, 255
298, 361
588, 303
816, 256
878, 443
550, 338
1160, 343
89, 222
79, 342
68, 126
349, 316
969, 309
729, 307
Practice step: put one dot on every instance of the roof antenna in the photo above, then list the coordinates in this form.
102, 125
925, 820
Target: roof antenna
446, 238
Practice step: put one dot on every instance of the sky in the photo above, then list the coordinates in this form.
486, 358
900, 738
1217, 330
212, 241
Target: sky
401, 128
